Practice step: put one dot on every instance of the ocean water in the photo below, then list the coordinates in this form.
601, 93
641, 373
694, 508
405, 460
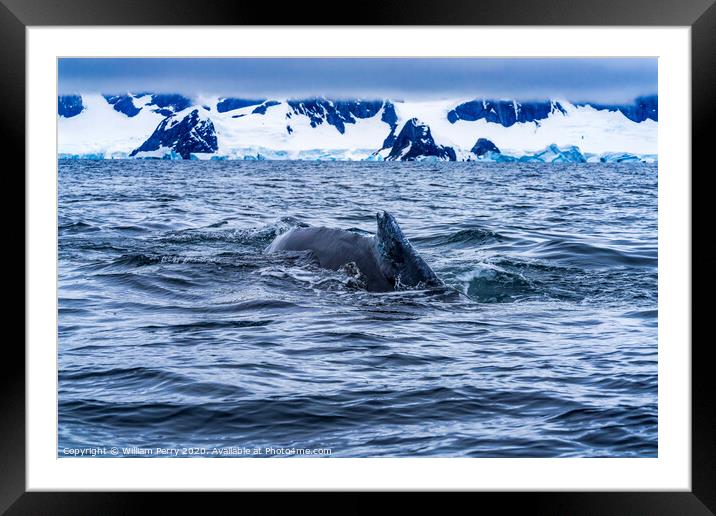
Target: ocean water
176, 330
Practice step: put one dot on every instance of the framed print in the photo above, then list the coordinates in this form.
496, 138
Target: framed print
414, 257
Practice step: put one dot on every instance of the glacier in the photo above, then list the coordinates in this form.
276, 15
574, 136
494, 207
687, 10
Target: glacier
173, 126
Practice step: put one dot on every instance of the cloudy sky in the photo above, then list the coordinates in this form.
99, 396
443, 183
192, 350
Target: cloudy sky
595, 79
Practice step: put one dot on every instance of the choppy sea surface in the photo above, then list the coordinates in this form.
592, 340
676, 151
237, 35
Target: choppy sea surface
176, 330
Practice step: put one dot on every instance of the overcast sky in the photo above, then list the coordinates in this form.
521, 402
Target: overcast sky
596, 79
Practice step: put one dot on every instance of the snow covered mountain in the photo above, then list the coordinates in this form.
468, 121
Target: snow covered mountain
184, 133
149, 125
415, 142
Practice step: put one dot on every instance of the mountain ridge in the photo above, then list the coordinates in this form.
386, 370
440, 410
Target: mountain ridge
134, 125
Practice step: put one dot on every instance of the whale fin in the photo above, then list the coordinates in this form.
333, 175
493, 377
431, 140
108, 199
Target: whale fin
402, 263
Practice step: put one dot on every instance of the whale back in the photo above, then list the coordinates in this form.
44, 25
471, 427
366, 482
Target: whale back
400, 262
386, 261
334, 248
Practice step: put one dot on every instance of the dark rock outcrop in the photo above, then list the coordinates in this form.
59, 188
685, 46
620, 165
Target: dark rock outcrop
643, 108
168, 103
338, 113
416, 142
165, 103
504, 112
231, 103
69, 105
123, 104
192, 133
483, 146
261, 110
391, 118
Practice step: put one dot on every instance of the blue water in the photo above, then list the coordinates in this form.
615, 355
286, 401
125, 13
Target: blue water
176, 330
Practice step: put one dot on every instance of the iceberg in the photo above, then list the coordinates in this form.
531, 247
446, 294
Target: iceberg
554, 154
619, 157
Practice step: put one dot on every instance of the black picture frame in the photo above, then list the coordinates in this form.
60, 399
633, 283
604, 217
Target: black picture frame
700, 15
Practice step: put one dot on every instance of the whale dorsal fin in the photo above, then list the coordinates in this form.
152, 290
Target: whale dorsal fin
391, 241
401, 261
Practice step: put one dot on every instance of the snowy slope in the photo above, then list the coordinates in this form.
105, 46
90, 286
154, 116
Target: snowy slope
281, 131
332, 129
591, 130
100, 129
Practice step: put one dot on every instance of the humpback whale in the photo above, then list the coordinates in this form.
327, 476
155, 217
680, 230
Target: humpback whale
386, 261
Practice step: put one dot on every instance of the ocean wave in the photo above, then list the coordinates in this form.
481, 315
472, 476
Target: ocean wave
137, 260
189, 334
337, 416
77, 227
256, 236
591, 255
488, 283
463, 238
148, 380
